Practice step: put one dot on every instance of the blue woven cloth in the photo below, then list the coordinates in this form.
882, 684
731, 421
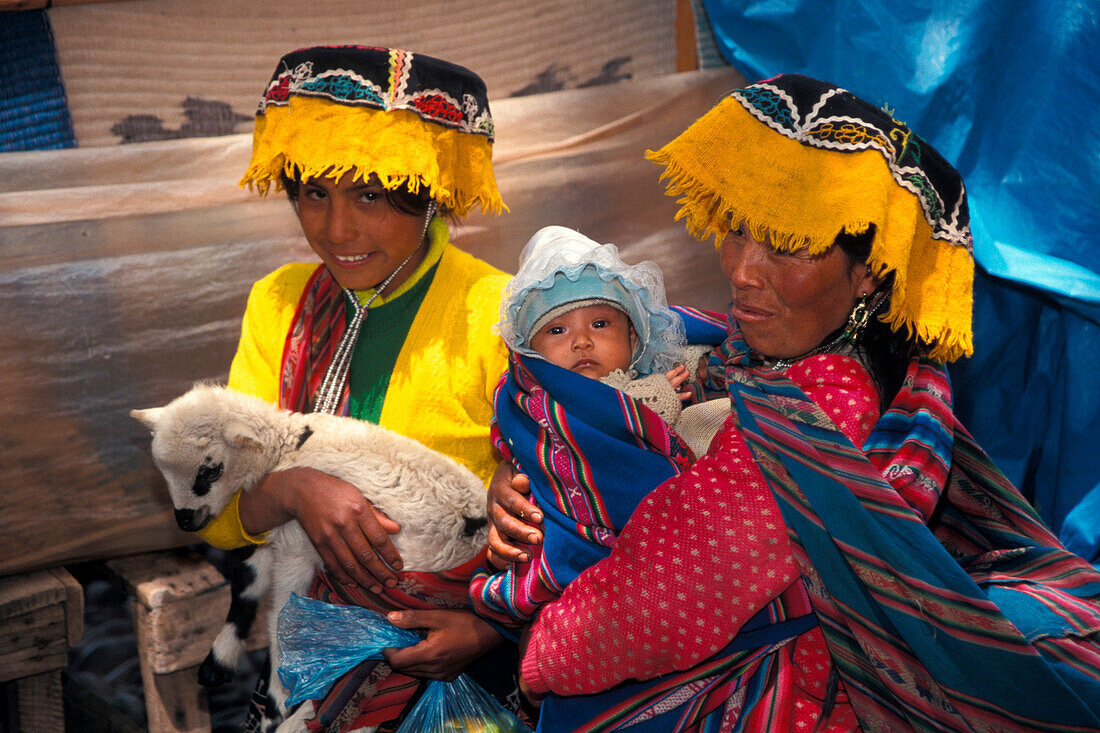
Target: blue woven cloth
34, 114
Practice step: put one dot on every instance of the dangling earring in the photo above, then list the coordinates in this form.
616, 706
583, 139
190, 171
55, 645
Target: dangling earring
860, 317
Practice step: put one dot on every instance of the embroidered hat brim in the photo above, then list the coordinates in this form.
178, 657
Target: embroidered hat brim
801, 160
408, 119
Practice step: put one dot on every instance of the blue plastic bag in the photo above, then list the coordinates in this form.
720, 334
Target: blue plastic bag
319, 642
460, 706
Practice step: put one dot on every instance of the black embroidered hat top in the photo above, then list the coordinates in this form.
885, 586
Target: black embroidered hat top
408, 119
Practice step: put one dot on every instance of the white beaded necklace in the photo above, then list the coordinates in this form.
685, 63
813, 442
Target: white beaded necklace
336, 376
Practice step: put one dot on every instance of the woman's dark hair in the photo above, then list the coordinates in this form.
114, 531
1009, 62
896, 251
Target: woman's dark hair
402, 199
885, 352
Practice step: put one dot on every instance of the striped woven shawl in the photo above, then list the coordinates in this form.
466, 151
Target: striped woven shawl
946, 604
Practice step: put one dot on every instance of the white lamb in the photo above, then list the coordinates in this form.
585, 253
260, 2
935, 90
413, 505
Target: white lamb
212, 442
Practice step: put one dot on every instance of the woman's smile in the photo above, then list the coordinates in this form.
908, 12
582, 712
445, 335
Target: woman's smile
352, 260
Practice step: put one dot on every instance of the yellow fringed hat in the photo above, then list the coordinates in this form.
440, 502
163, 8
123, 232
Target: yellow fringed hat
802, 160
409, 119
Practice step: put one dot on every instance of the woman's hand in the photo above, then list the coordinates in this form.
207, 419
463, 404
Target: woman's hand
454, 639
350, 535
513, 521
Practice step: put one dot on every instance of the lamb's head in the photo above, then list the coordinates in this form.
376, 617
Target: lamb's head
206, 451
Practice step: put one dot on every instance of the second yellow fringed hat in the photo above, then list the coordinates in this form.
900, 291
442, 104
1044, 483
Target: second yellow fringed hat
800, 160
409, 119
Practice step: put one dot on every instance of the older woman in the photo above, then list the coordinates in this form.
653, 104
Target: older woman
844, 556
376, 148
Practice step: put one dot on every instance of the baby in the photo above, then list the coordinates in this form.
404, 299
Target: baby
576, 304
576, 313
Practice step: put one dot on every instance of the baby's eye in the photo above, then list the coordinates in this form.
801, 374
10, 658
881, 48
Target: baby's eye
555, 330
600, 323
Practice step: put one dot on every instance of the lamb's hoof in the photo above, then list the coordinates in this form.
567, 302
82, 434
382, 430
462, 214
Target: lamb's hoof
270, 725
213, 674
296, 722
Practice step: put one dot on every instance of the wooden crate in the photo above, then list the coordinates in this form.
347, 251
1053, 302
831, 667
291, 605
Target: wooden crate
41, 616
179, 602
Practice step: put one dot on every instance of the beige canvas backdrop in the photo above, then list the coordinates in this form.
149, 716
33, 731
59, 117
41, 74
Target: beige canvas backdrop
124, 273
159, 69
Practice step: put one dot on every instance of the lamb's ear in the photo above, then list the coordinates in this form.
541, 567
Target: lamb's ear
149, 418
240, 435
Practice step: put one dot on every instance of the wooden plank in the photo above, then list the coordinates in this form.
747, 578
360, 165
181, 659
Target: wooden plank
40, 615
33, 643
160, 578
687, 56
182, 602
41, 708
74, 604
29, 592
174, 702
35, 630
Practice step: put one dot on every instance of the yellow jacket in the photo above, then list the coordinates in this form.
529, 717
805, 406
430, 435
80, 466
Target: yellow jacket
441, 388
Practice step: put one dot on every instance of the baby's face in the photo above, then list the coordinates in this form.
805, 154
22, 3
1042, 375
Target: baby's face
593, 340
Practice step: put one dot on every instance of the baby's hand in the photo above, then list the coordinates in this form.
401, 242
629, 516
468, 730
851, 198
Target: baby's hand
677, 376
703, 371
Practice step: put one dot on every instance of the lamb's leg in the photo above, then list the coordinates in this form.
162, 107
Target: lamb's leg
248, 583
296, 723
295, 565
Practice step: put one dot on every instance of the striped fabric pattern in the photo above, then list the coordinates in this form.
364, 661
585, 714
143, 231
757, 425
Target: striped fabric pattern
311, 343
592, 453
940, 593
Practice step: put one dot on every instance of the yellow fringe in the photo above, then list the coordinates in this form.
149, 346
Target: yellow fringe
802, 197
315, 137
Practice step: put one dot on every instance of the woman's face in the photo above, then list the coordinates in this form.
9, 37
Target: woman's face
355, 231
788, 302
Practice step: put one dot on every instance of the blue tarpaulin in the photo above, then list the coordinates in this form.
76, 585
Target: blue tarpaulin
1009, 91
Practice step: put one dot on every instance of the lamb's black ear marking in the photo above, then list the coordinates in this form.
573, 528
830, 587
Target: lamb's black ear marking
205, 478
471, 525
303, 437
